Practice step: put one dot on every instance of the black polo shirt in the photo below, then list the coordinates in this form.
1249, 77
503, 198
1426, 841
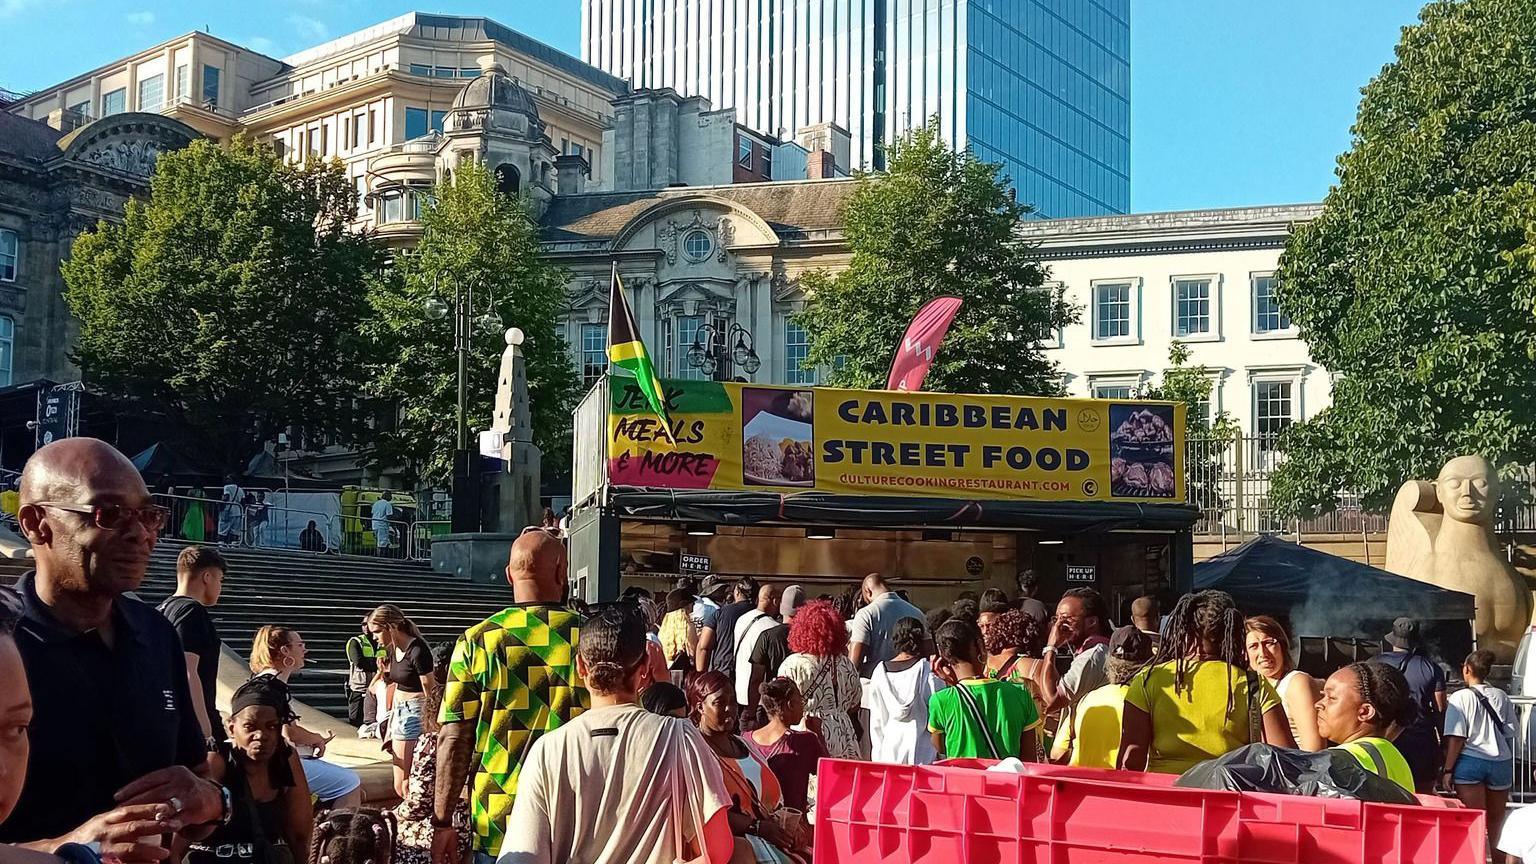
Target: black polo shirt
102, 717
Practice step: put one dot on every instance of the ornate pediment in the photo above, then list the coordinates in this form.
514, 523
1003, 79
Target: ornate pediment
127, 144
695, 298
674, 234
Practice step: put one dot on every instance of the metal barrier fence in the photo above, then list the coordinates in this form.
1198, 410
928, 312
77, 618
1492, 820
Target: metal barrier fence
1229, 480
273, 526
1524, 791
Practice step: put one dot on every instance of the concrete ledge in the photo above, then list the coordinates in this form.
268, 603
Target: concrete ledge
477, 557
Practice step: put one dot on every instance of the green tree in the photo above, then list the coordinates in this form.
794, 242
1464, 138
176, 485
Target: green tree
937, 223
230, 300
1415, 284
478, 237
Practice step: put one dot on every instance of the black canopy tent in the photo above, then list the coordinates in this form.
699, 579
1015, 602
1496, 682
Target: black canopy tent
1322, 596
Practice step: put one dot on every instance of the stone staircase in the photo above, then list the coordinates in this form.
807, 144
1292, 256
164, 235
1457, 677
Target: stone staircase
325, 597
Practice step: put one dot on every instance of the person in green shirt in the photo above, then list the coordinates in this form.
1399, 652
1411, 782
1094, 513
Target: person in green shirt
1362, 704
977, 717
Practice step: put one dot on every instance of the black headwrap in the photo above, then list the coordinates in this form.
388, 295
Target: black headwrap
265, 690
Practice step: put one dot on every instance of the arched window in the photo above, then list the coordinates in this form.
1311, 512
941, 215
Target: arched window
508, 181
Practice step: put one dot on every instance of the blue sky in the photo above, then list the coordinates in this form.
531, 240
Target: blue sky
1232, 101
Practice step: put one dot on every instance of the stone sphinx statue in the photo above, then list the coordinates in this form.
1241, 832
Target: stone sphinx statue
1442, 533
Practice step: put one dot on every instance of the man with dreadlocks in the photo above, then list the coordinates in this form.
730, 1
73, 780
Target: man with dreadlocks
271, 815
1196, 699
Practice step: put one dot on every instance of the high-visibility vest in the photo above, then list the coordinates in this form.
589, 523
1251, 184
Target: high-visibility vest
1382, 758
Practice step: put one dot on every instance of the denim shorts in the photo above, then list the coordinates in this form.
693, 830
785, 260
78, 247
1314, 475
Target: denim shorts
405, 719
1496, 774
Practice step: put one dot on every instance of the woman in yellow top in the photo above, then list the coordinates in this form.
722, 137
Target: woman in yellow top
1091, 737
677, 634
1197, 700
1360, 706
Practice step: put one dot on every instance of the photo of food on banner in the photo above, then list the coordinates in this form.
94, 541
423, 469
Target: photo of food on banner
778, 443
1141, 451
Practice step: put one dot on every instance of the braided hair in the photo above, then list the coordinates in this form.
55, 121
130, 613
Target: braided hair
1384, 688
363, 835
1199, 619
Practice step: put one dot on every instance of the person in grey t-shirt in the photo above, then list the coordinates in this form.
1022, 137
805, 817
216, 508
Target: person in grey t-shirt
870, 643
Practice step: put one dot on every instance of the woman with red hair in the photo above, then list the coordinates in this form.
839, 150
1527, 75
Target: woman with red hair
821, 669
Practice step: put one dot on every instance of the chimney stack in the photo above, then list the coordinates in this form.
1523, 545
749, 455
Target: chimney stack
571, 173
819, 165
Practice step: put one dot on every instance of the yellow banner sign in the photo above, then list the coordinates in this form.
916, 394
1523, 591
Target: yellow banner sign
863, 442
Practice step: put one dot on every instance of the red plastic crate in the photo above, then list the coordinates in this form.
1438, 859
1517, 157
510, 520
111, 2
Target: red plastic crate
869, 813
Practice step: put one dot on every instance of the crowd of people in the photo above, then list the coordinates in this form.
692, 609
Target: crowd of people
687, 725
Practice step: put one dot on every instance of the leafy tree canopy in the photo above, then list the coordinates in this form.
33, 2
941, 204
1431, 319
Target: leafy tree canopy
230, 300
1415, 285
937, 223
481, 239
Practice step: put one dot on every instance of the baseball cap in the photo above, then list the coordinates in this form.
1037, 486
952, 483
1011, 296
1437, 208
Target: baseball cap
1129, 643
1404, 635
793, 599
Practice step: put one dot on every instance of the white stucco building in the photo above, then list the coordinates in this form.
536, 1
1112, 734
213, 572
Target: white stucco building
1205, 278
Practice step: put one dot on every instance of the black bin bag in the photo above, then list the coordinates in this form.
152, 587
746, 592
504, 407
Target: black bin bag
1265, 768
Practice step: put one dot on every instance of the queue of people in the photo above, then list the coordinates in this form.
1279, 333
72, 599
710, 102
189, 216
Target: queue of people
642, 731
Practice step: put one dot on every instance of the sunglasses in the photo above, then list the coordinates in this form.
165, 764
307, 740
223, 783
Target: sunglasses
115, 517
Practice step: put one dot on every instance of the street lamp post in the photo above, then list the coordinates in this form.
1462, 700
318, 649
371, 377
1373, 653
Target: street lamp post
464, 489
703, 355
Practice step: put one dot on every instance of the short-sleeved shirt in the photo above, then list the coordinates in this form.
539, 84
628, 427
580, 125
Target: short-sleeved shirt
772, 650
1466, 717
102, 716
1007, 709
722, 657
793, 759
1095, 729
514, 676
704, 613
194, 626
405, 673
1425, 679
1086, 672
617, 785
872, 627
1191, 723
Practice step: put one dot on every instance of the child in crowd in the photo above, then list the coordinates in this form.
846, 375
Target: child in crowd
791, 753
1092, 737
271, 814
361, 835
897, 696
666, 699
976, 716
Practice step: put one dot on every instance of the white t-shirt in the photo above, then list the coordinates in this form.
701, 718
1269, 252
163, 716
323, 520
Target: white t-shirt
1519, 835
749, 628
1466, 717
382, 510
234, 496
599, 790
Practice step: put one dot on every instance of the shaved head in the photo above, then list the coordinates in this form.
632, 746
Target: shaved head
874, 586
768, 598
536, 568
75, 555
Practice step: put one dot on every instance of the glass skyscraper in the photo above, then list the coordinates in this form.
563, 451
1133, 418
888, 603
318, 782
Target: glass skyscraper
1040, 86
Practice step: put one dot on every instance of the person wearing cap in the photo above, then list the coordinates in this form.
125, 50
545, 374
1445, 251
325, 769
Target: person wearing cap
1419, 739
713, 595
1091, 738
772, 647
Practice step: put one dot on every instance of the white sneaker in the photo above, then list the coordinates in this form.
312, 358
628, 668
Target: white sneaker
368, 730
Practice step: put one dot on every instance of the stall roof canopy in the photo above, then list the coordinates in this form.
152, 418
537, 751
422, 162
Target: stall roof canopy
1272, 576
882, 511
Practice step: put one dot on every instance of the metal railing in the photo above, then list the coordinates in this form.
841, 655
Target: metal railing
1524, 790
263, 524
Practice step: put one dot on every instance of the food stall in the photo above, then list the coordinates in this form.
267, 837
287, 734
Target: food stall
820, 486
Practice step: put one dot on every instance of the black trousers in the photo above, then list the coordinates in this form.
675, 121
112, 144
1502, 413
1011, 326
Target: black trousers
362, 708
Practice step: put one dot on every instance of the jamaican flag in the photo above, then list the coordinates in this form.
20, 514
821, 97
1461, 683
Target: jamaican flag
627, 351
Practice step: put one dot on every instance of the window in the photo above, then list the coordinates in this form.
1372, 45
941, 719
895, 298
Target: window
211, 85
437, 120
183, 82
445, 72
797, 346
115, 102
1191, 307
151, 93
1273, 409
594, 353
577, 149
7, 344
697, 245
685, 328
768, 162
81, 111
469, 73
421, 69
744, 153
1112, 311
415, 123
1267, 317
1112, 391
10, 247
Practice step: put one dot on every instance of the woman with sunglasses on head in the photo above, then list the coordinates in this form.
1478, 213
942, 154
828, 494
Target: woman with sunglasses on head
406, 663
279, 652
1269, 654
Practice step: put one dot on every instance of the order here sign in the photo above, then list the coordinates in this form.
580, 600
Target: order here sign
787, 439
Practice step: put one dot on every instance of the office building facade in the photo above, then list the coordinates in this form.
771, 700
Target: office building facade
1041, 87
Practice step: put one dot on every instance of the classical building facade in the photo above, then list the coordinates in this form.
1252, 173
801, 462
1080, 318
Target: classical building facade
1041, 87
1202, 278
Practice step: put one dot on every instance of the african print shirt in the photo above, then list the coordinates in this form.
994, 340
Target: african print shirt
514, 675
